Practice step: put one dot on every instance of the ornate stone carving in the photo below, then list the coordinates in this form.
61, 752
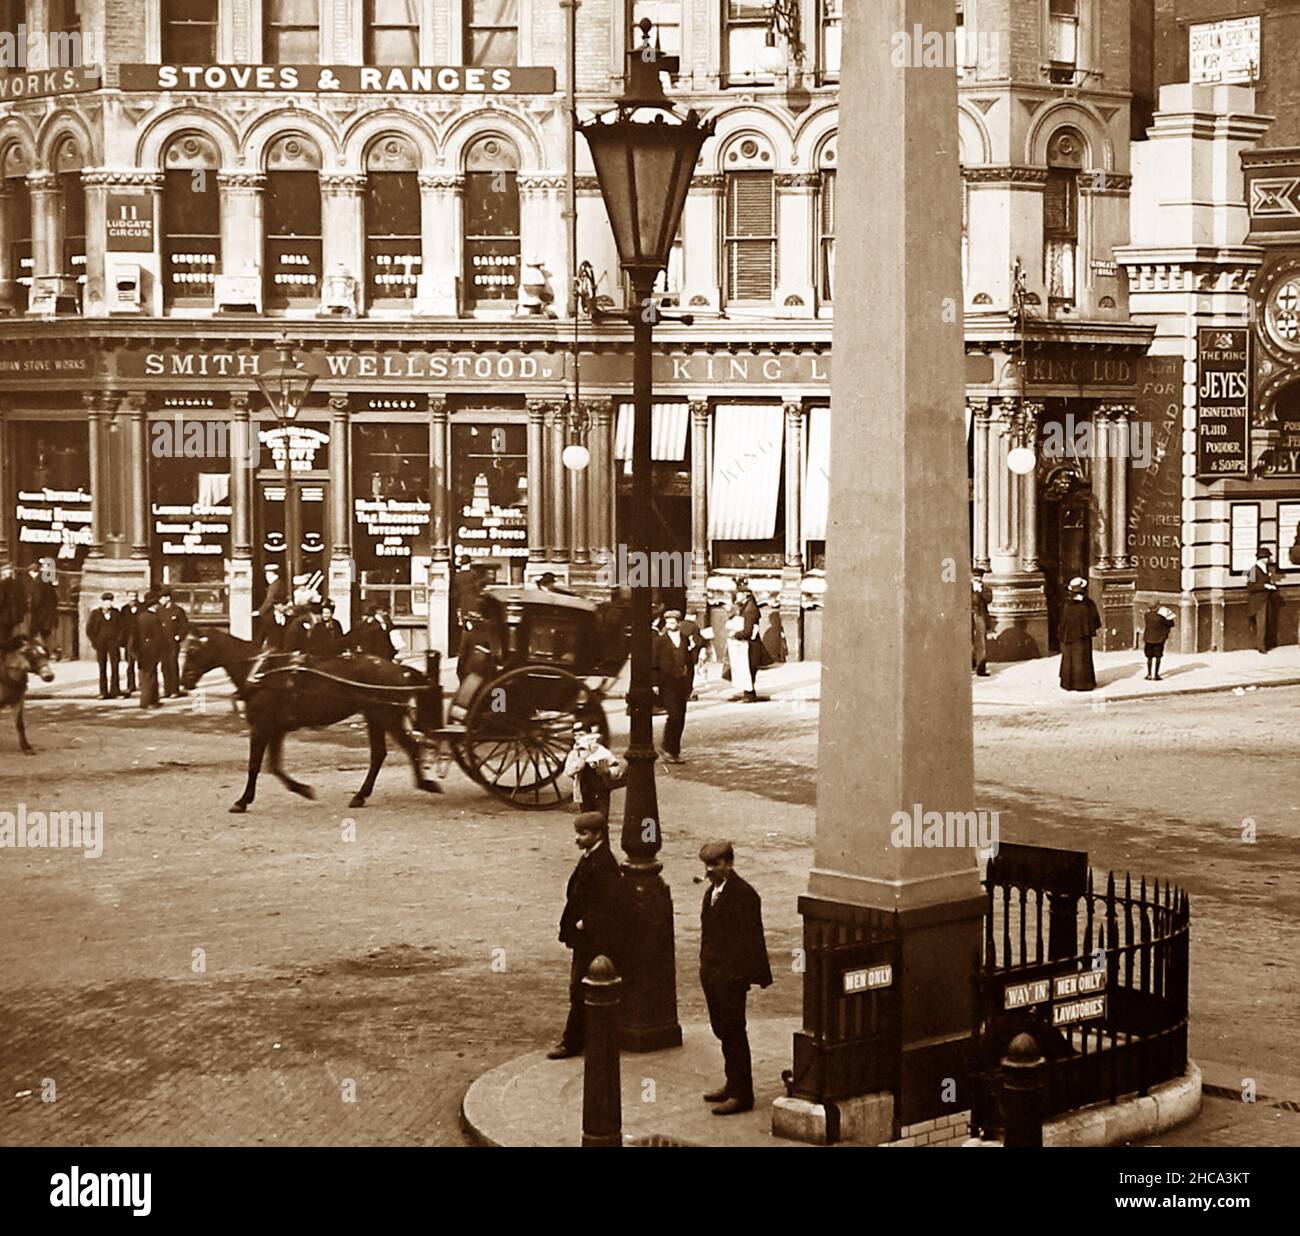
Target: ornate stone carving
342, 184
531, 182
708, 180
1004, 174
444, 181
797, 180
241, 180
98, 176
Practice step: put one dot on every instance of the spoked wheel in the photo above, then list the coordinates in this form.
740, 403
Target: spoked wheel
520, 729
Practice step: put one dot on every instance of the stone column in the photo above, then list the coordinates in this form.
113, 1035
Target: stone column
558, 421
8, 288
1003, 559
343, 229
792, 569
979, 409
1033, 413
872, 886
93, 404
241, 222
47, 225
242, 457
342, 566
440, 244
5, 496
602, 478
537, 481
137, 438
697, 592
1101, 483
578, 486
439, 525
1122, 455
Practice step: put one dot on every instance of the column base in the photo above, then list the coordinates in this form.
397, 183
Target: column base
1019, 613
241, 598
342, 575
1114, 589
792, 612
440, 606
649, 1005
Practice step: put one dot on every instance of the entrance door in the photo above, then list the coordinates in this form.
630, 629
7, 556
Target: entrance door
670, 528
312, 521
1066, 550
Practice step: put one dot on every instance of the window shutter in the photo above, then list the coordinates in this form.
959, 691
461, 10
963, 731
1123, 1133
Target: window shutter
751, 224
1058, 204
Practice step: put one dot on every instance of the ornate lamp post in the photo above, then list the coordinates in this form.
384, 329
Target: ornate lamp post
285, 386
644, 154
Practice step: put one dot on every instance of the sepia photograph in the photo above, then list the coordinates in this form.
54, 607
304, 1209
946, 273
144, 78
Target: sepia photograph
525, 627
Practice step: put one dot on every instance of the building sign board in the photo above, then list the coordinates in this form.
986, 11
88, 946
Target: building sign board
341, 78
45, 83
869, 978
1022, 995
393, 523
50, 518
193, 531
1080, 983
128, 223
1071, 1011
1223, 403
300, 442
1223, 51
1155, 521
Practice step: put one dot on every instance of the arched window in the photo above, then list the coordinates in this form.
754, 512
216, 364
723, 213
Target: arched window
68, 162
826, 223
1061, 218
189, 31
491, 222
749, 223
394, 253
16, 276
191, 220
292, 219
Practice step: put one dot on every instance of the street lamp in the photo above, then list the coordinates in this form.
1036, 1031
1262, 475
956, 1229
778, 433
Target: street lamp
1021, 458
644, 154
783, 18
285, 386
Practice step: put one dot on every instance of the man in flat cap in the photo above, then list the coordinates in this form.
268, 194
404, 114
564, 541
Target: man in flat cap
733, 955
674, 672
590, 924
105, 630
1261, 599
149, 640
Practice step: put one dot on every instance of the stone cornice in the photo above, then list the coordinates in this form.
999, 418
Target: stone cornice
342, 184
798, 180
708, 180
441, 180
532, 181
121, 178
587, 184
1004, 174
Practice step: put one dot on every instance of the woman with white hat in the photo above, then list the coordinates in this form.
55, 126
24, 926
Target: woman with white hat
1080, 621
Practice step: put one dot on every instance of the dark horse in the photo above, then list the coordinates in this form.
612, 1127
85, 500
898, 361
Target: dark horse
289, 695
19, 658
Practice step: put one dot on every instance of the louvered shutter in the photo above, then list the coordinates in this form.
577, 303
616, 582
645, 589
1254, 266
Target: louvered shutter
1058, 204
751, 231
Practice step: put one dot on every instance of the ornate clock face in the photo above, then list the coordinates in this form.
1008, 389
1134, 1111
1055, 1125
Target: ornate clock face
1283, 314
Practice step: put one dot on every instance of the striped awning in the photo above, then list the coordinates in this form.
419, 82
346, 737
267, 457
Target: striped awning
668, 425
816, 477
746, 481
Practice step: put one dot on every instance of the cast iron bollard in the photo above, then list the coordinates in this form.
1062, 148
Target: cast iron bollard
1022, 1092
602, 1094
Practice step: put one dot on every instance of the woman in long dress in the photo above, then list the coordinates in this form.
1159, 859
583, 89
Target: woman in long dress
1080, 621
745, 652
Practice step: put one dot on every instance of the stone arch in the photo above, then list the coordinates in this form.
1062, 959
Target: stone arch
58, 128
492, 152
812, 135
190, 150
360, 136
748, 151
1099, 152
734, 125
482, 122
159, 134
292, 151
286, 122
974, 145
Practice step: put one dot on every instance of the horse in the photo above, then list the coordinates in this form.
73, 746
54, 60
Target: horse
291, 695
22, 657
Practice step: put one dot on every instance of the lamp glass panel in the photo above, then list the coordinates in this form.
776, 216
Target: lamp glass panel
609, 154
653, 166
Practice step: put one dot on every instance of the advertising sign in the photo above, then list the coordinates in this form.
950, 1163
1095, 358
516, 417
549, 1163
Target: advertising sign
128, 224
57, 521
193, 531
1223, 51
341, 78
1155, 522
1223, 403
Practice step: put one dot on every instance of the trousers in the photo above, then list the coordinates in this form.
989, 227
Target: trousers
674, 694
575, 1028
171, 667
726, 1000
108, 680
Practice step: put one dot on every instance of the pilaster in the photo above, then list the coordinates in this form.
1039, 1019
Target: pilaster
697, 588
440, 195
792, 568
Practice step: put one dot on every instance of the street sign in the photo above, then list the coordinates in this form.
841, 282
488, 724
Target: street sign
868, 979
1079, 1010
1022, 995
1082, 983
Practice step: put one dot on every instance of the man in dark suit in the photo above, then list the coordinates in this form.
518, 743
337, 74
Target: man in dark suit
373, 635
297, 634
42, 603
733, 955
149, 640
175, 624
1261, 600
674, 671
277, 593
327, 638
130, 613
104, 630
590, 924
13, 602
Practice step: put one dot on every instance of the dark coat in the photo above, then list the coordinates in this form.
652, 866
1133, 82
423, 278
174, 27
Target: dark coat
276, 594
371, 638
13, 602
1258, 592
130, 620
695, 642
670, 661
1155, 627
732, 947
105, 631
593, 899
149, 637
174, 621
297, 635
42, 604
326, 638
1080, 621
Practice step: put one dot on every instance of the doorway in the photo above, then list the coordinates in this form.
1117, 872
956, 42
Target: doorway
311, 508
1065, 540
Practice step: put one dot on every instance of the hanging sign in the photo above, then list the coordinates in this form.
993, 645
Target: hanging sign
1223, 403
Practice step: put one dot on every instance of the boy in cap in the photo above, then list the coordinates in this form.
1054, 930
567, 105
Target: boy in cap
733, 955
1157, 622
590, 922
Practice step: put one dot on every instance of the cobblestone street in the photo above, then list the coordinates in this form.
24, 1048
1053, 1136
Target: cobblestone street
405, 963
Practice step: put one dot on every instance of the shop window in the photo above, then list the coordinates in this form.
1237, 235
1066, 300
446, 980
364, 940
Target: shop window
189, 501
1061, 218
189, 31
292, 212
394, 254
491, 223
392, 511
666, 18
489, 496
744, 35
1063, 40
826, 236
72, 210
17, 203
291, 31
830, 29
392, 31
747, 487
51, 458
191, 214
491, 32
750, 236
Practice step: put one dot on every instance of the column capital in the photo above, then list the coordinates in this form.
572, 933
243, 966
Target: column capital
699, 409
445, 181
540, 409
95, 403
115, 178
1033, 409
134, 403
1117, 410
978, 406
603, 411
437, 406
239, 403
339, 406
1005, 409
793, 411
532, 182
247, 181
797, 180
42, 182
342, 184
709, 180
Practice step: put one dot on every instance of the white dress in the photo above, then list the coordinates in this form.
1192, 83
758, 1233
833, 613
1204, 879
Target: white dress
738, 655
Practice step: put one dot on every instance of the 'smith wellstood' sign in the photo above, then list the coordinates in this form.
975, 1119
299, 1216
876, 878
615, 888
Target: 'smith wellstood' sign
1223, 403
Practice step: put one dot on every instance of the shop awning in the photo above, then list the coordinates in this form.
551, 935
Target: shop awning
668, 424
816, 477
746, 482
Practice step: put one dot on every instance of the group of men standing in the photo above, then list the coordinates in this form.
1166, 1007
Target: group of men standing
146, 633
29, 603
304, 624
